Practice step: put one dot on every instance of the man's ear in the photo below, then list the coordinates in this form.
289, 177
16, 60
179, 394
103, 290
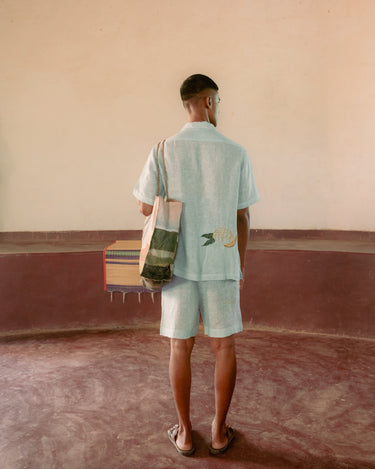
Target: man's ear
208, 102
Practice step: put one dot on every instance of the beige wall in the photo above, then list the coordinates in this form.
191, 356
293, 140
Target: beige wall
87, 87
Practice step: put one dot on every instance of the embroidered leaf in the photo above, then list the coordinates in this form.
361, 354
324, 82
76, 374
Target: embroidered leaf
207, 235
208, 242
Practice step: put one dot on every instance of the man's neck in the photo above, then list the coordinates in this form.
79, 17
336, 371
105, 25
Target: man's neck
198, 117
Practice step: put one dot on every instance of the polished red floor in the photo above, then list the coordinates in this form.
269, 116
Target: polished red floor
103, 401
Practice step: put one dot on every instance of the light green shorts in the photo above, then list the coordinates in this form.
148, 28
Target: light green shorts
184, 301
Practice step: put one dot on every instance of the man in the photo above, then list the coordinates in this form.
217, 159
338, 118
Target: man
212, 176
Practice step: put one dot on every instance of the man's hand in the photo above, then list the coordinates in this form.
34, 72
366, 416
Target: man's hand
242, 281
145, 209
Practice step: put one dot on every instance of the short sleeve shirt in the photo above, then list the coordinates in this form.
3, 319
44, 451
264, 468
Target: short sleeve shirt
213, 177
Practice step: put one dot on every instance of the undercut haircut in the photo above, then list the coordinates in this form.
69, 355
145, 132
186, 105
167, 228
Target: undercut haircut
195, 84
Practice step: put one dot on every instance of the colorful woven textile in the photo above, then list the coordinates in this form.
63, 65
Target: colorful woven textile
121, 267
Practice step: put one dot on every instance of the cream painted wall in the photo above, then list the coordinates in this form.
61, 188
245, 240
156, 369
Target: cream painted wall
88, 86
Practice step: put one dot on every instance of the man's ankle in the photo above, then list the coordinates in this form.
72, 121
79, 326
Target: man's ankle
219, 431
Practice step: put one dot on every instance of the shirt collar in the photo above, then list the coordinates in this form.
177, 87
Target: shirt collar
198, 125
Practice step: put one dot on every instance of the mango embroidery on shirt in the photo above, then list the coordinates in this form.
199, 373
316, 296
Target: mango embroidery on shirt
222, 235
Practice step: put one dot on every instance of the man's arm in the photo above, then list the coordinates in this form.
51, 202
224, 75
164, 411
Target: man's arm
145, 209
243, 226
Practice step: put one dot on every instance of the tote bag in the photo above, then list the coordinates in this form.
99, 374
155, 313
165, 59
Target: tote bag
160, 236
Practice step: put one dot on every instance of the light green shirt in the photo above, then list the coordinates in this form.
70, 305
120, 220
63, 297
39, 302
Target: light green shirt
213, 177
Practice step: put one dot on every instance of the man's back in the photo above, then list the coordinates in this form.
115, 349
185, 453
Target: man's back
212, 176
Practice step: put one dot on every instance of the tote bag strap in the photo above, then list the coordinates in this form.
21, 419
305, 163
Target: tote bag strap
164, 170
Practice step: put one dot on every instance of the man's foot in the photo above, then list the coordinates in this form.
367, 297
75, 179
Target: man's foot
172, 435
229, 437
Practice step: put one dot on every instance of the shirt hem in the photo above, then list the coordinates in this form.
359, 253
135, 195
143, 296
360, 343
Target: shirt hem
199, 278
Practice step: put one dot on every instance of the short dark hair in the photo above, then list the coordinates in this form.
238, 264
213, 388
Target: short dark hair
195, 84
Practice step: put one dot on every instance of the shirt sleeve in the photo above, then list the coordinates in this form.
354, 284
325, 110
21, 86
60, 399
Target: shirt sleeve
146, 187
247, 193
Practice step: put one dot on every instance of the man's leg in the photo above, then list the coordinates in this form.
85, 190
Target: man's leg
225, 380
180, 377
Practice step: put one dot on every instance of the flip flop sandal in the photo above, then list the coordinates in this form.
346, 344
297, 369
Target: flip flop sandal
230, 435
172, 435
